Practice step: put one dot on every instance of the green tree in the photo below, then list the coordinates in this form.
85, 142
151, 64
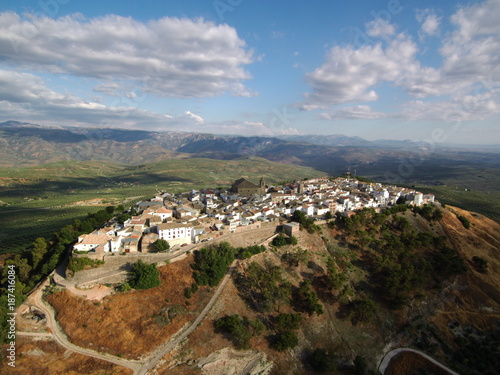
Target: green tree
237, 328
211, 263
21, 266
285, 340
360, 365
110, 209
123, 218
288, 321
320, 361
362, 311
308, 299
39, 249
335, 278
144, 276
161, 245
257, 326
447, 262
18, 297
264, 288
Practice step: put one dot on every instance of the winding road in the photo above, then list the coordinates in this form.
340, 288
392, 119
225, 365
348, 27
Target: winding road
60, 337
389, 356
138, 367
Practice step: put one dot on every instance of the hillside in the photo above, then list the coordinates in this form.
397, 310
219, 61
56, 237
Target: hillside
25, 144
449, 312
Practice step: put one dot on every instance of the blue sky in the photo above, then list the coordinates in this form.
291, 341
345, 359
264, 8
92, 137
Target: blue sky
394, 69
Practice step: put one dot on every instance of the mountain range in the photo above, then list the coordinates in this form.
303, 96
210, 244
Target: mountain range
26, 144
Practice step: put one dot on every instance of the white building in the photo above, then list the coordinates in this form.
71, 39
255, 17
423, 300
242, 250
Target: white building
175, 233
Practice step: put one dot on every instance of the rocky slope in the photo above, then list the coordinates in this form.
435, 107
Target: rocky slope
448, 319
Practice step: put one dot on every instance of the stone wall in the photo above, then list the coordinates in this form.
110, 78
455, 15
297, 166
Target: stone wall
115, 268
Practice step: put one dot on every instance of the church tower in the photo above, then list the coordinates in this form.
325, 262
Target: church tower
262, 185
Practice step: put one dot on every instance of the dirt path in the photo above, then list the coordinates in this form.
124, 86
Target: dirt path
167, 347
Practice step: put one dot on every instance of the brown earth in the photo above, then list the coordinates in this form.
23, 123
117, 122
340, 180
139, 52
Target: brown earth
407, 363
316, 332
46, 357
125, 323
131, 324
474, 298
471, 299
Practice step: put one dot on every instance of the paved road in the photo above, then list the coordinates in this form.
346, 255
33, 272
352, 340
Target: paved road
61, 338
164, 349
167, 347
138, 367
389, 356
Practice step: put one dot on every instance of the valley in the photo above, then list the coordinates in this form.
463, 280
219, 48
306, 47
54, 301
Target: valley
423, 290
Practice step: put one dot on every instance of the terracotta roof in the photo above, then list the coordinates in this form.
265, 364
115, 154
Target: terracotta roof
163, 210
166, 226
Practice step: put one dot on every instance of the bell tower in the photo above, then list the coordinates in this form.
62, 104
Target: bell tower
262, 185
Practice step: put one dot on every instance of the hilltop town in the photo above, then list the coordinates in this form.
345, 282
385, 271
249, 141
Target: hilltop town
202, 215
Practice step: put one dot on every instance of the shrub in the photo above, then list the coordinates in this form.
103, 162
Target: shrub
237, 330
286, 340
480, 264
144, 276
79, 264
465, 222
281, 240
161, 245
289, 321
320, 361
125, 287
189, 291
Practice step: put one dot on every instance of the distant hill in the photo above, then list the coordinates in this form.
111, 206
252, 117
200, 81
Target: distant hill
25, 144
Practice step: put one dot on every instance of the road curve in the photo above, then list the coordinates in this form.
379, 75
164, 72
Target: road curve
138, 367
61, 338
389, 356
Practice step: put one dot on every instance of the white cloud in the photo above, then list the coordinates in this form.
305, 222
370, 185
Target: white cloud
25, 96
380, 28
470, 72
350, 74
463, 108
196, 118
360, 112
429, 22
169, 57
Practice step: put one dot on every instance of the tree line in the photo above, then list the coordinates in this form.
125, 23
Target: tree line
43, 256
